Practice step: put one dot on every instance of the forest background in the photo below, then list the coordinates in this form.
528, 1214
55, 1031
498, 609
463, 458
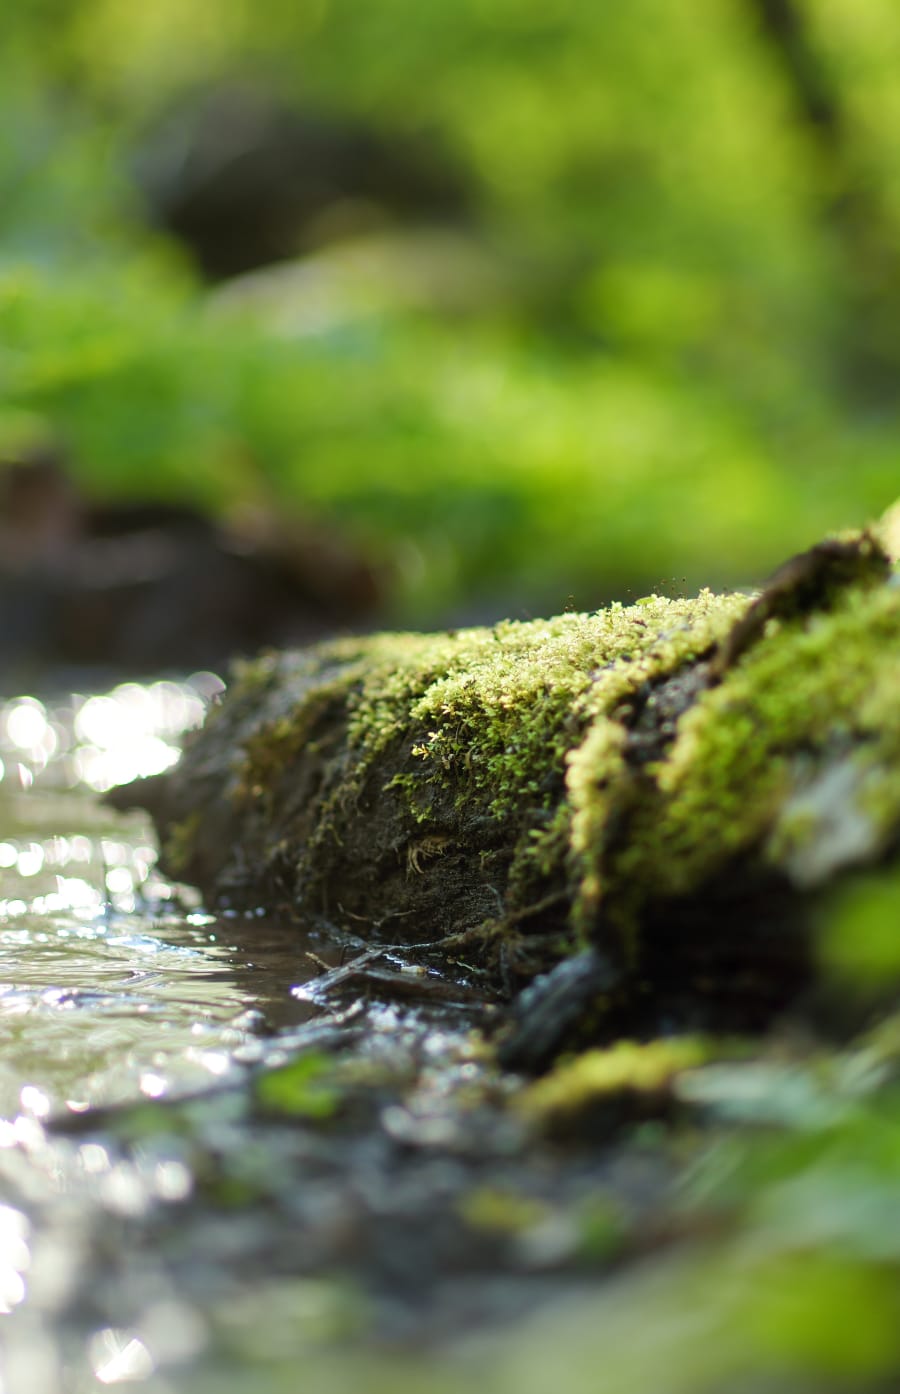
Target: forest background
524, 305
563, 300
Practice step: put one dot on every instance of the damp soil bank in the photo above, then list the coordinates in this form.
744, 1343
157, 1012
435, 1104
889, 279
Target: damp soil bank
659, 794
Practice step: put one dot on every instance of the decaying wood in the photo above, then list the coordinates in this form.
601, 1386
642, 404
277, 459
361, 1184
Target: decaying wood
672, 785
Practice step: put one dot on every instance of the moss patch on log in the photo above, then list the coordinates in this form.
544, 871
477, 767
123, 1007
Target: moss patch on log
804, 731
641, 780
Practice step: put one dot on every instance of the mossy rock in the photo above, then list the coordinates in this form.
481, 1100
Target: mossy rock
669, 784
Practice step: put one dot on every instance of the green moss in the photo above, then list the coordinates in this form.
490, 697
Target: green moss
493, 1210
504, 710
274, 746
254, 673
859, 943
180, 841
812, 693
628, 1067
492, 712
481, 720
593, 764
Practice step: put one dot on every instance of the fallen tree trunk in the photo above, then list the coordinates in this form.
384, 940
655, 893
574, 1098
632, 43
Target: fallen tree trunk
668, 784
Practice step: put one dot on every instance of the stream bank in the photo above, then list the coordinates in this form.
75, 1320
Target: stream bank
301, 1151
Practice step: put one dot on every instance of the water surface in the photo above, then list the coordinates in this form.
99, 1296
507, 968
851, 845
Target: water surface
114, 984
163, 1249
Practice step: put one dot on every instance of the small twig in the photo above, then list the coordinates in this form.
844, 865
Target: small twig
319, 962
363, 919
334, 977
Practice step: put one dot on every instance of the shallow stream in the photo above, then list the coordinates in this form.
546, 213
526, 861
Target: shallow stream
114, 989
207, 1243
237, 1156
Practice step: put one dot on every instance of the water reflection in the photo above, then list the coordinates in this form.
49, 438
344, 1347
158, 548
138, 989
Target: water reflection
111, 987
105, 738
117, 1356
114, 987
118, 988
99, 1005
15, 1257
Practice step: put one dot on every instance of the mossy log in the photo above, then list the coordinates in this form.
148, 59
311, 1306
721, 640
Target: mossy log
668, 784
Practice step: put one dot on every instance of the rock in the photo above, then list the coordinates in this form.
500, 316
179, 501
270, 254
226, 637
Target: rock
143, 586
245, 180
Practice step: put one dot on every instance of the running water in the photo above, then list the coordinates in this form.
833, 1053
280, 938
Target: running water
119, 991
112, 986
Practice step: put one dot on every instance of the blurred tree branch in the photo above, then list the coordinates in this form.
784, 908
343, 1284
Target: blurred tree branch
853, 205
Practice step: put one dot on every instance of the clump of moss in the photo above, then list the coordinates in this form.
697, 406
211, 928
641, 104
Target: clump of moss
816, 691
493, 711
496, 1210
503, 720
628, 1068
474, 726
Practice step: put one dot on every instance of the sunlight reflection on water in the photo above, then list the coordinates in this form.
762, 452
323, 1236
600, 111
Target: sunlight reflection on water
110, 989
104, 739
118, 988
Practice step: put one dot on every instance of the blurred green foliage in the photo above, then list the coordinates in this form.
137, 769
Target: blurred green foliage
688, 373
305, 1088
681, 360
860, 940
790, 1282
